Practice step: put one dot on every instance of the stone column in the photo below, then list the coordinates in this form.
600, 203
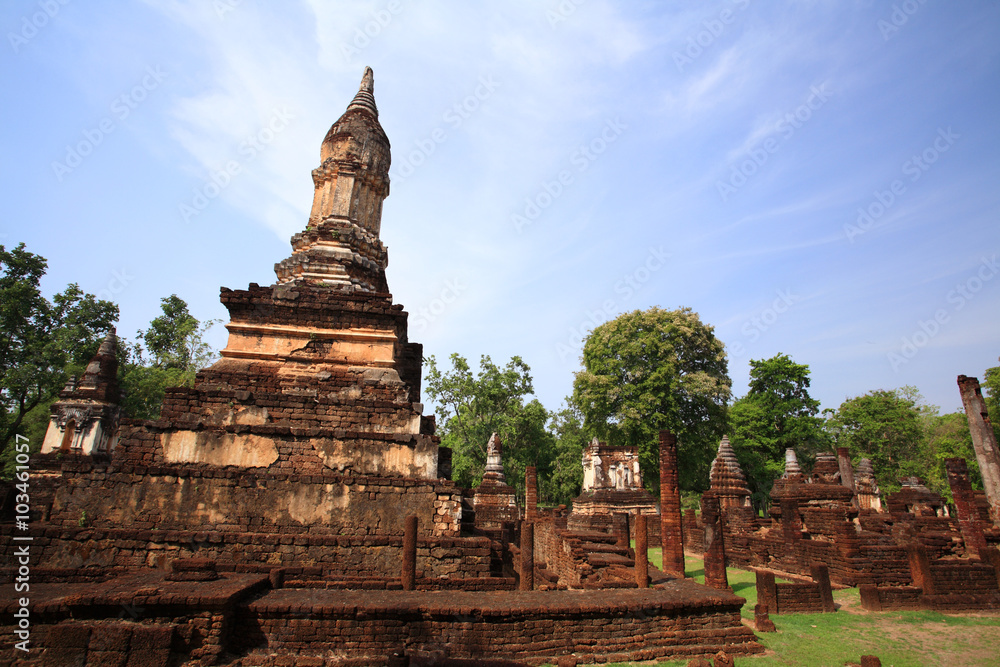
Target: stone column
965, 504
409, 575
984, 440
641, 552
530, 493
761, 619
846, 470
821, 577
767, 591
870, 600
671, 528
527, 569
715, 544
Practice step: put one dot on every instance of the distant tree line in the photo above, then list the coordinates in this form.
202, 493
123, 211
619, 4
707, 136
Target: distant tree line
641, 372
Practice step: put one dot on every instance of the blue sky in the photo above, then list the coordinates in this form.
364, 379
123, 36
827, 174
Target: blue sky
814, 178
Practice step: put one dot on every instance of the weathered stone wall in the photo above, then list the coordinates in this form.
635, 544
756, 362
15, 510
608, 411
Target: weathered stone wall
90, 553
609, 626
214, 499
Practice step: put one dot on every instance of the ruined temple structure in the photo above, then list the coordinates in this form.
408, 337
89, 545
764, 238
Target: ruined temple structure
293, 507
913, 551
494, 502
85, 418
612, 483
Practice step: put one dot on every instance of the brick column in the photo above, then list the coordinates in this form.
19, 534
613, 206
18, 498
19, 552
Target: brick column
761, 619
410, 553
641, 552
965, 504
821, 577
715, 546
984, 440
767, 591
846, 470
870, 600
527, 569
671, 528
530, 493
920, 568
791, 527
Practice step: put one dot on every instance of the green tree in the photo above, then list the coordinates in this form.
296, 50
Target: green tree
650, 370
472, 407
991, 385
946, 436
42, 342
565, 481
176, 350
885, 426
776, 413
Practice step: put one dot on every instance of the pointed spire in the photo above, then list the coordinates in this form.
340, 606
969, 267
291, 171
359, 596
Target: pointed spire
727, 479
365, 99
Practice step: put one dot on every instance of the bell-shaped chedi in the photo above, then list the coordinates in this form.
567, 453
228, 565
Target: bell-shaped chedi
494, 500
85, 418
792, 470
728, 483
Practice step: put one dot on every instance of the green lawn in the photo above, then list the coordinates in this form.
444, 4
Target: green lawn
899, 639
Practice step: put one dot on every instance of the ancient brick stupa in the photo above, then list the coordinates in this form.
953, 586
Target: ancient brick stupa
494, 500
727, 480
85, 418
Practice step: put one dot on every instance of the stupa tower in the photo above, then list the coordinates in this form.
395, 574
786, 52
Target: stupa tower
324, 351
340, 247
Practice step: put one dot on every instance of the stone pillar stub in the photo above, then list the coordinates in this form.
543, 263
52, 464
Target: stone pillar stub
409, 574
671, 527
527, 568
641, 551
984, 441
767, 590
821, 577
715, 548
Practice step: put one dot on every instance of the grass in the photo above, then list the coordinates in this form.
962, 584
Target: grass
899, 639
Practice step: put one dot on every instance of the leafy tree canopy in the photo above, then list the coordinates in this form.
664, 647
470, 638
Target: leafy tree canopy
650, 370
885, 426
777, 413
472, 407
991, 385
